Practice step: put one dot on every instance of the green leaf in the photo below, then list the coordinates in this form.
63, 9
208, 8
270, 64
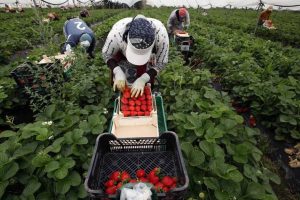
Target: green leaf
212, 149
250, 172
41, 159
8, 133
67, 162
288, 119
213, 133
50, 110
93, 120
187, 147
51, 166
26, 149
74, 178
3, 186
62, 186
211, 183
295, 134
255, 191
210, 94
83, 140
221, 195
31, 187
235, 176
82, 192
61, 173
196, 158
228, 123
3, 158
8, 170
44, 196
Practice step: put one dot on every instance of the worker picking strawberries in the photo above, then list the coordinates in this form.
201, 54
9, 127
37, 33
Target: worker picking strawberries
77, 32
136, 50
264, 18
178, 20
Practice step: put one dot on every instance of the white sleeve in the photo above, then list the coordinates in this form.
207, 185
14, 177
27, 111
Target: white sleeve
171, 19
111, 46
187, 23
162, 47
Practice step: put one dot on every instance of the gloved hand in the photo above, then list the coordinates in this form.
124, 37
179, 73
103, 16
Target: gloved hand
120, 79
139, 84
68, 49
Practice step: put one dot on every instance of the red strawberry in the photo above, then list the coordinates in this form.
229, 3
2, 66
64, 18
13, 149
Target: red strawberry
147, 113
252, 121
109, 183
147, 90
120, 184
133, 113
132, 108
138, 102
140, 173
137, 108
111, 190
166, 189
149, 97
167, 181
149, 108
126, 94
143, 107
144, 102
115, 176
125, 176
124, 107
149, 102
143, 179
142, 97
126, 113
173, 186
175, 180
133, 181
131, 102
158, 186
140, 113
156, 170
153, 179
124, 100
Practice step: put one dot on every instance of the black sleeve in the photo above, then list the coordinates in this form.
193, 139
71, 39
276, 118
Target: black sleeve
152, 73
112, 63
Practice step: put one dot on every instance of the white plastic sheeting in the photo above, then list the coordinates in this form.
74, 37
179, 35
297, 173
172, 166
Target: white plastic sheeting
190, 3
222, 3
127, 2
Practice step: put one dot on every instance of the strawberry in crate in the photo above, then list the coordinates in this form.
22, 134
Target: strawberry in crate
136, 106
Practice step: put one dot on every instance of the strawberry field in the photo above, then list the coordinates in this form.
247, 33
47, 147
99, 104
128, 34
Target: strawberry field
47, 135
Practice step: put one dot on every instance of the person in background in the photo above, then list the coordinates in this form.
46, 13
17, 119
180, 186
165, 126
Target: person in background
136, 50
77, 32
178, 20
84, 13
264, 16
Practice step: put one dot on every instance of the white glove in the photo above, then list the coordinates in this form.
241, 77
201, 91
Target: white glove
139, 84
68, 49
120, 79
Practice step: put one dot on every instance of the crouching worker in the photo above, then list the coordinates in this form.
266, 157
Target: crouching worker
77, 32
178, 20
136, 50
264, 18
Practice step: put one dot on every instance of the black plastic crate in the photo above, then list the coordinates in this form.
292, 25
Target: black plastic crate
111, 154
31, 75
